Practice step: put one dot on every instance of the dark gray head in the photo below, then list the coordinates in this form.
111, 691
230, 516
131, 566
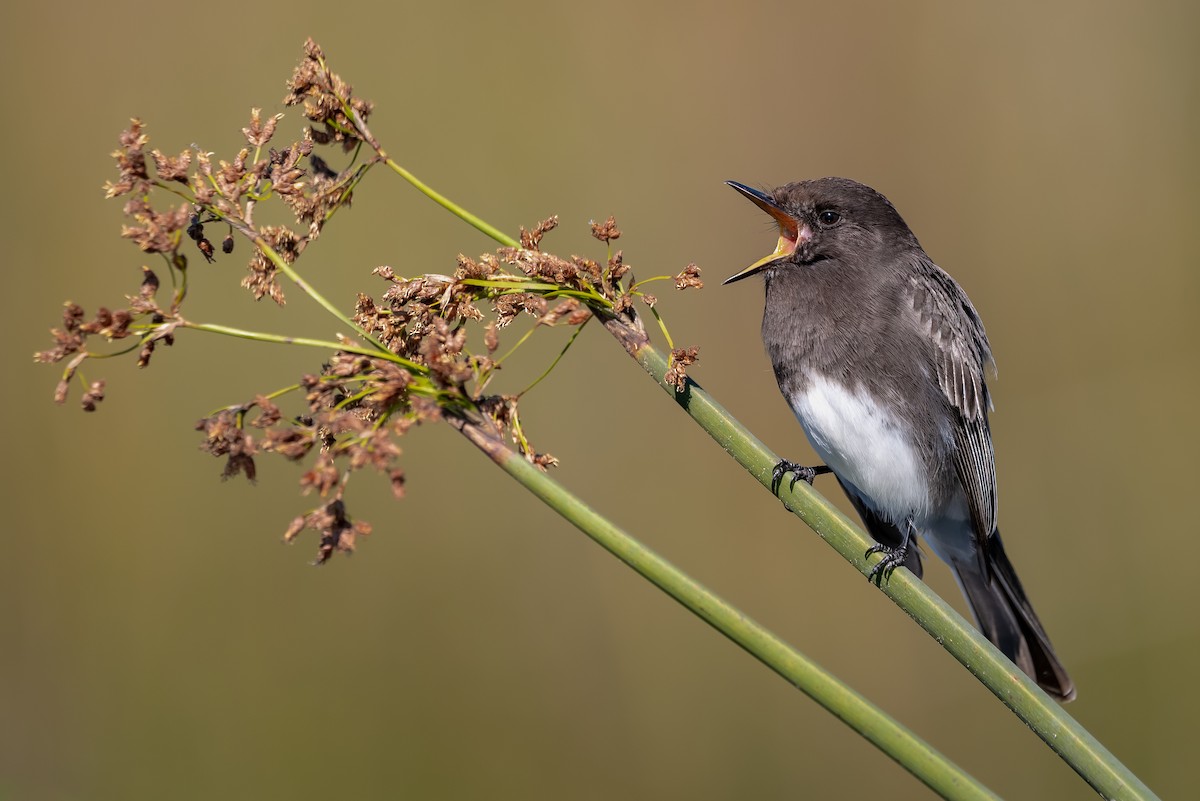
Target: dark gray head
829, 219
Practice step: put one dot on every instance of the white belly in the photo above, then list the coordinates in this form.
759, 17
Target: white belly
866, 446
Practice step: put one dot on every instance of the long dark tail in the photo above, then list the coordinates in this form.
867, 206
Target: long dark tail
1007, 619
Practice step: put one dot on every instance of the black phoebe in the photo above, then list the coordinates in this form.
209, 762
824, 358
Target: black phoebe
881, 356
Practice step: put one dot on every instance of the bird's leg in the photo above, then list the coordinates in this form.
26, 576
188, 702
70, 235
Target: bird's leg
799, 472
892, 557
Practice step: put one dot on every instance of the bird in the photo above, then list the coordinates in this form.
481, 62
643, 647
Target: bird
883, 359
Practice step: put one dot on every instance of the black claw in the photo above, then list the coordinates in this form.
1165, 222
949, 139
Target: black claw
799, 473
892, 557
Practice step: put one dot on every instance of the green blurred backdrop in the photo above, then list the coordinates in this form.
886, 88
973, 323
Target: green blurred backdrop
158, 642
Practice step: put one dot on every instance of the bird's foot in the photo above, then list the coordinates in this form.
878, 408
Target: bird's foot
892, 559
799, 473
893, 556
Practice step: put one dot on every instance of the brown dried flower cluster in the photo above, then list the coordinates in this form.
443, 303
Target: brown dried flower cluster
203, 194
327, 100
358, 405
226, 193
141, 317
607, 230
352, 413
681, 359
338, 530
412, 361
689, 278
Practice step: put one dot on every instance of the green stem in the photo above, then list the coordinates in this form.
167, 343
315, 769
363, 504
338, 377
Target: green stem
1091, 760
905, 747
574, 335
515, 284
662, 326
449, 205
548, 291
278, 339
524, 338
638, 285
116, 353
308, 289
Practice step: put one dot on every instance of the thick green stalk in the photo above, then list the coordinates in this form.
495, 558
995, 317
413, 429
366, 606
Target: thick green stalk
906, 748
1091, 760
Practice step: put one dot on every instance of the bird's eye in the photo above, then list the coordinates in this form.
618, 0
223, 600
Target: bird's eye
828, 218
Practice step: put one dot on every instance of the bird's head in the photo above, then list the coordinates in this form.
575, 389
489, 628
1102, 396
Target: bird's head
832, 220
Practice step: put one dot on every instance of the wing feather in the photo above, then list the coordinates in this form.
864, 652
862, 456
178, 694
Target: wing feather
944, 314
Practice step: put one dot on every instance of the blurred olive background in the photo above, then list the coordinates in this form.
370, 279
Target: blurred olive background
159, 642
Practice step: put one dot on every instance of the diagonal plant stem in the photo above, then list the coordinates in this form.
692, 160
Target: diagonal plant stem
1071, 741
458, 211
905, 747
360, 126
310, 290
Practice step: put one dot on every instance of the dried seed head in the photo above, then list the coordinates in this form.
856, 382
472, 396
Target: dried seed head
507, 307
224, 436
145, 353
484, 268
294, 528
338, 531
531, 239
263, 279
543, 460
93, 396
564, 308
397, 480
607, 230
617, 267
579, 317
323, 477
690, 277
259, 133
149, 287
172, 168
269, 413
131, 162
681, 359
153, 231
544, 265
326, 97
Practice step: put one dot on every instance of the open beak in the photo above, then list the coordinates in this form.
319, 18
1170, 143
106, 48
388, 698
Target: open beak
791, 232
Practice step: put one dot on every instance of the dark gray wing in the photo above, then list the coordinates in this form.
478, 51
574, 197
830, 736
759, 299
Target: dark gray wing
942, 311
